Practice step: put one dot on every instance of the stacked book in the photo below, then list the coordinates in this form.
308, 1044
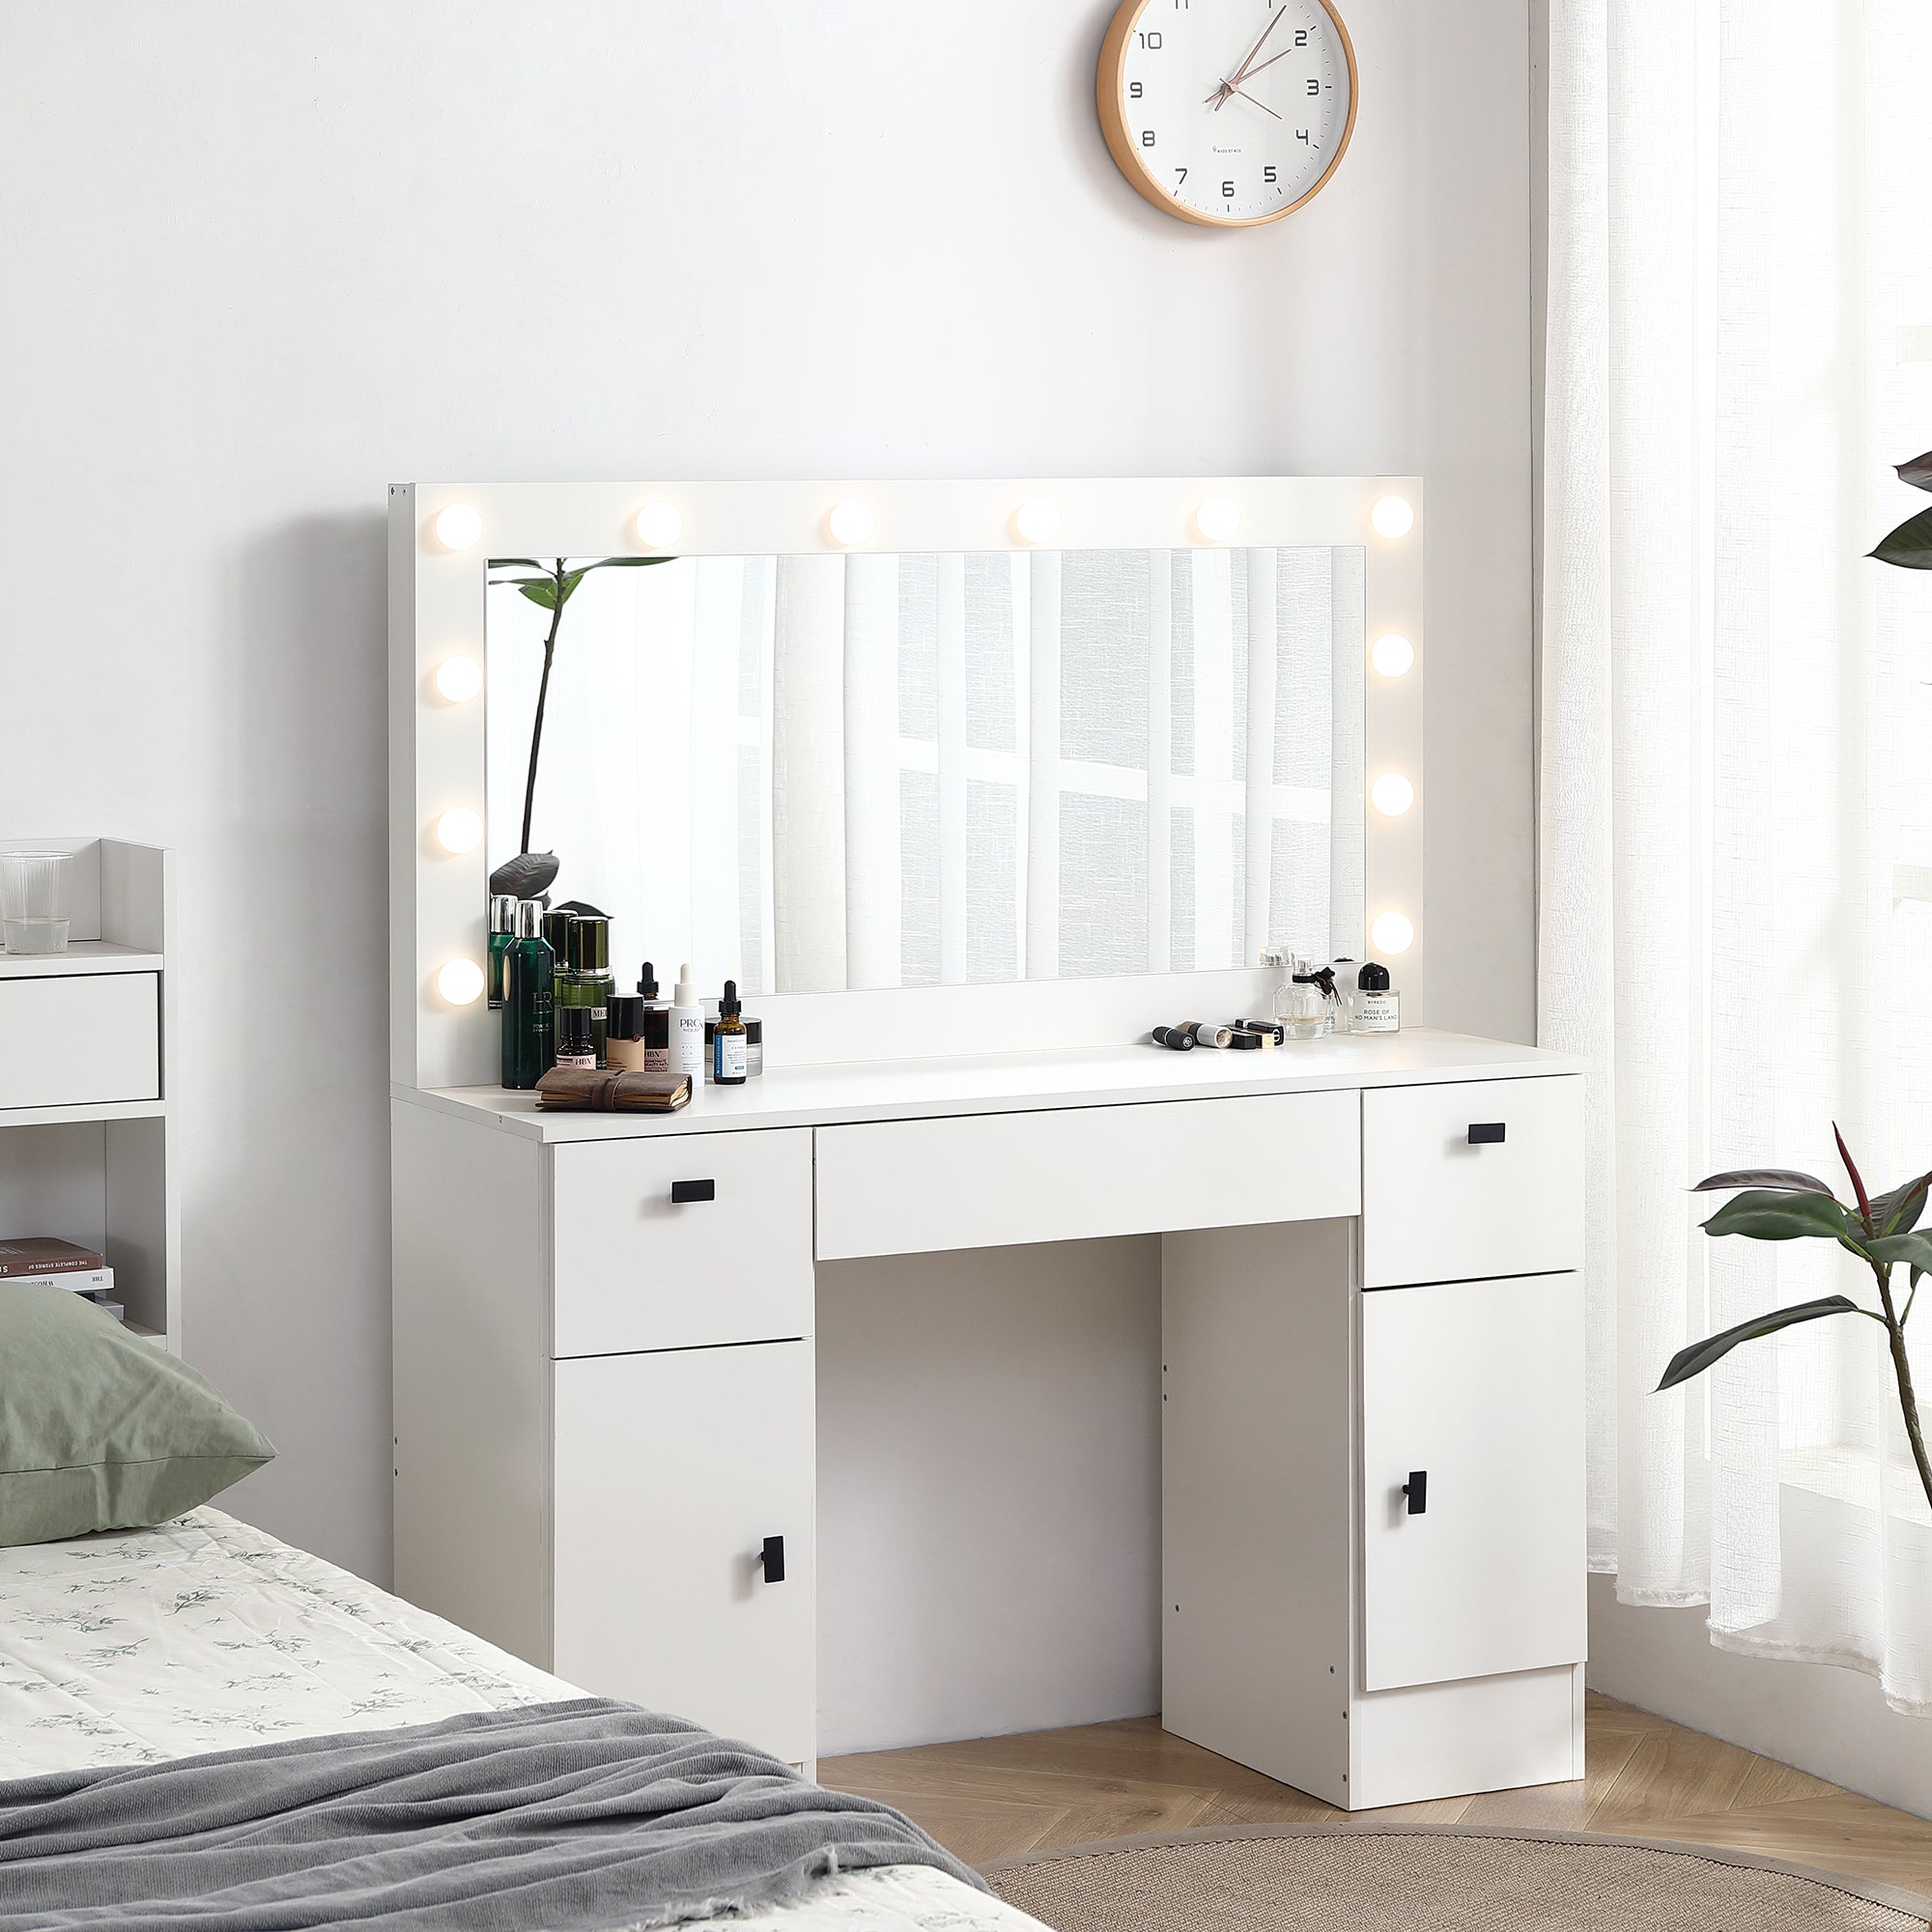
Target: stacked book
39, 1261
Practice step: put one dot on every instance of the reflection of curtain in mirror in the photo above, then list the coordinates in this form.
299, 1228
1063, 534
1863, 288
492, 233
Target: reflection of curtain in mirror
1093, 762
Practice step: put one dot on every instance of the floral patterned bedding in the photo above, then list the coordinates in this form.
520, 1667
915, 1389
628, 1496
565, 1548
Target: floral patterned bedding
205, 1634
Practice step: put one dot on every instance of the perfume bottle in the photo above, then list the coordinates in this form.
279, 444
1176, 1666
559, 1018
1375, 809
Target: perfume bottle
1301, 1006
729, 1041
502, 936
529, 1046
1378, 1006
587, 982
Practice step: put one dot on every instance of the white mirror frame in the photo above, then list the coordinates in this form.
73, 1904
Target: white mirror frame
437, 613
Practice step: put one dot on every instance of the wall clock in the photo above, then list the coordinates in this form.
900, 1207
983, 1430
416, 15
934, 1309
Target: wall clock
1227, 112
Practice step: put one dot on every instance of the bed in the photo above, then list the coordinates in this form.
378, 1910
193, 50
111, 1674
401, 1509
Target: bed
149, 1646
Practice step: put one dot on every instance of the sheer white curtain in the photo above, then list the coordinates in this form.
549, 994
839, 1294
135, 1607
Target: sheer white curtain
1737, 773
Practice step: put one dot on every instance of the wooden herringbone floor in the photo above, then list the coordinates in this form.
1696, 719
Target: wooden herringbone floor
1001, 1797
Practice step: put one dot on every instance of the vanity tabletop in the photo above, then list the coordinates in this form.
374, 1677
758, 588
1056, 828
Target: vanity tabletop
996, 1083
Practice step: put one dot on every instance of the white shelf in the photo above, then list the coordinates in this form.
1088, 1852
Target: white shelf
98, 1110
82, 955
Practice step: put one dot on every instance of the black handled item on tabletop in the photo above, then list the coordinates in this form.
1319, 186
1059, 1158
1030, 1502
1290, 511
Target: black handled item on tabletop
1486, 1133
773, 1559
1416, 1490
682, 1191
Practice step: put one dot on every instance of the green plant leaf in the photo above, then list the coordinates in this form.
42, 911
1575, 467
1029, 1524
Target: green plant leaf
1786, 1178
1910, 545
1917, 473
628, 562
516, 563
1764, 1216
1699, 1355
1917, 1249
541, 591
1899, 1212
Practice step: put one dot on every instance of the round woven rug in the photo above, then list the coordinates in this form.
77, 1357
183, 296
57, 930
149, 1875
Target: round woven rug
1370, 1877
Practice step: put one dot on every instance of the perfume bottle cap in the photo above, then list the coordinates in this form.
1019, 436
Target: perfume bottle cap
590, 943
647, 983
556, 929
503, 912
529, 920
687, 993
1372, 979
730, 1005
626, 1016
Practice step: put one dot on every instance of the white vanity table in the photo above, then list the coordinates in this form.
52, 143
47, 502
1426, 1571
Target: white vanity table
1373, 1530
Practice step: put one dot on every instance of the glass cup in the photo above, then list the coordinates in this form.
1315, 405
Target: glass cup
35, 889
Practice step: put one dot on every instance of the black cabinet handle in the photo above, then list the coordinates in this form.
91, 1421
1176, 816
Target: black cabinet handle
1416, 1490
1485, 1133
694, 1191
773, 1559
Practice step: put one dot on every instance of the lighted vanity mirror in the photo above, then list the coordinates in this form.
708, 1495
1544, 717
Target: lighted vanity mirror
820, 771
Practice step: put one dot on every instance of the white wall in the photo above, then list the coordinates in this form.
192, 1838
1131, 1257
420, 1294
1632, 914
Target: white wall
1829, 1722
264, 259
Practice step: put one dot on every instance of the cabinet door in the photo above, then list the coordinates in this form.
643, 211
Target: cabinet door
1478, 1386
671, 1469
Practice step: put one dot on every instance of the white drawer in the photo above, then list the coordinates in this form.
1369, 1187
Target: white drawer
635, 1268
987, 1180
1443, 1200
80, 1039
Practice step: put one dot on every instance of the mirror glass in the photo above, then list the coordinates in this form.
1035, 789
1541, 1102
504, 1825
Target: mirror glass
816, 772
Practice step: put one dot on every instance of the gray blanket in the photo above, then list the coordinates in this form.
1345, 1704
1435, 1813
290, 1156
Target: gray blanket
577, 1817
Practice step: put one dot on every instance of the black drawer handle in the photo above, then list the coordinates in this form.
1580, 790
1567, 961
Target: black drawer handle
1485, 1133
773, 1559
1416, 1490
694, 1191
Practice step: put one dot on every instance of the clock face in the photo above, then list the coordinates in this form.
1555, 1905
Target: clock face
1228, 112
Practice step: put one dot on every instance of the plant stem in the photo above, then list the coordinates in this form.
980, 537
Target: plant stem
542, 698
1908, 1399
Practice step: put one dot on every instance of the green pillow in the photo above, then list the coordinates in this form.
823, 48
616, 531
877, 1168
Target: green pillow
101, 1430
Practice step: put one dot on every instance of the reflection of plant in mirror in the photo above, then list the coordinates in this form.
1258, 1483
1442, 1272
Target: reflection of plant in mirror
1779, 1205
550, 590
1910, 545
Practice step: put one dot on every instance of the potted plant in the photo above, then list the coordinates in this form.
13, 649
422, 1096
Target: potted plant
1782, 1205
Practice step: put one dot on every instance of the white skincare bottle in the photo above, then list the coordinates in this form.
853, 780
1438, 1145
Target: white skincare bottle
686, 1029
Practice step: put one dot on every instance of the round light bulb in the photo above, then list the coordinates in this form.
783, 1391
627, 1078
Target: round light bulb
1393, 655
459, 679
659, 526
1393, 932
850, 523
460, 982
458, 527
458, 830
1392, 794
1037, 521
1217, 520
1392, 516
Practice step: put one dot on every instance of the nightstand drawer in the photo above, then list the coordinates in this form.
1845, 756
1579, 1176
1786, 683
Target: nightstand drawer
681, 1242
1482, 1178
80, 1041
987, 1180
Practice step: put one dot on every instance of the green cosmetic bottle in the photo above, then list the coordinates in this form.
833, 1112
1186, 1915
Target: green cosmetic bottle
530, 1045
588, 981
502, 936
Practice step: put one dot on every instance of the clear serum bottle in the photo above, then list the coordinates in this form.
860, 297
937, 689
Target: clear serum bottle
729, 1040
528, 1013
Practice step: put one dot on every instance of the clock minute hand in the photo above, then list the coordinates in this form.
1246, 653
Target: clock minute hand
1240, 72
